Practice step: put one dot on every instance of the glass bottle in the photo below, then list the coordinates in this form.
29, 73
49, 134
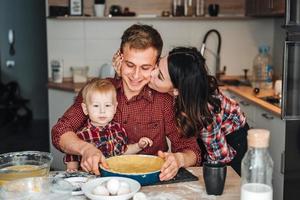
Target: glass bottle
188, 8
200, 8
262, 69
257, 167
178, 8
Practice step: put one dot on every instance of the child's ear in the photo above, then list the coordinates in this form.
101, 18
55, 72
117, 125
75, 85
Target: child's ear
84, 108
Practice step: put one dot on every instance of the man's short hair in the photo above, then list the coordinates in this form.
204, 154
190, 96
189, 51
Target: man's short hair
141, 36
99, 85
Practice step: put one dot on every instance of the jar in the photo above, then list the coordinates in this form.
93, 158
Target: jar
57, 71
80, 74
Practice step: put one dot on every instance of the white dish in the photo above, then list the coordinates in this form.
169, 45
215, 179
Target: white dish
88, 187
77, 183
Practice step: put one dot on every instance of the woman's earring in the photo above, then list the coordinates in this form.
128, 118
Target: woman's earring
175, 92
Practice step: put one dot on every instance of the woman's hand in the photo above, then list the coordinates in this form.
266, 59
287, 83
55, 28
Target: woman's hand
91, 158
173, 161
117, 62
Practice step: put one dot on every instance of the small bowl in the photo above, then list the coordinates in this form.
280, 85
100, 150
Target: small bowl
36, 188
143, 168
88, 187
24, 164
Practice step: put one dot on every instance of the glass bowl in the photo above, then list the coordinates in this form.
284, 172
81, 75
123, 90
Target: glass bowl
36, 188
24, 164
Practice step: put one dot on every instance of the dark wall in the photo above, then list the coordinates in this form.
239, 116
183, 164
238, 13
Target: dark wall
27, 19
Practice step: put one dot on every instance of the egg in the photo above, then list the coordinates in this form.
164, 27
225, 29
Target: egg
113, 186
124, 184
124, 188
100, 190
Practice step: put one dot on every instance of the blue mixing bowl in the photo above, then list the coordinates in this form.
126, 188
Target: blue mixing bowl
143, 168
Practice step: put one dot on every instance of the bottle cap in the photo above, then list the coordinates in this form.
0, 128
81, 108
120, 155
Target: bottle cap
258, 138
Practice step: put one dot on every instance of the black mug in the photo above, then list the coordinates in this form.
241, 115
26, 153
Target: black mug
213, 10
214, 174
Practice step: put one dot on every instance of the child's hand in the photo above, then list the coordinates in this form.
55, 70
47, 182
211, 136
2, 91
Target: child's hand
144, 142
72, 170
72, 166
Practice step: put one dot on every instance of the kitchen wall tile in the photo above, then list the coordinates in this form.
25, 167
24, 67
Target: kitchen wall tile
97, 40
106, 30
101, 49
96, 65
65, 29
71, 51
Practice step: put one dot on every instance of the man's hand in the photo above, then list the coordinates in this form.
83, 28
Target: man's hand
91, 158
173, 161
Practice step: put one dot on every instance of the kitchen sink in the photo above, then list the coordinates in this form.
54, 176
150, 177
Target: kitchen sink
274, 100
234, 82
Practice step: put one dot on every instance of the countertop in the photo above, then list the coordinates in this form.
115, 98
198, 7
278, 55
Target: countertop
247, 93
67, 85
243, 91
189, 190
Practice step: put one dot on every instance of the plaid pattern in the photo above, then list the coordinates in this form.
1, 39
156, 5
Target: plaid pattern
230, 119
149, 114
111, 140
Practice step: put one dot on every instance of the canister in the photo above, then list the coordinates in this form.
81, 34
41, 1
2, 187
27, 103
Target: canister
57, 71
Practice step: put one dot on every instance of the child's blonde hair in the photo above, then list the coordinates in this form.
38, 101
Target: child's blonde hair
99, 85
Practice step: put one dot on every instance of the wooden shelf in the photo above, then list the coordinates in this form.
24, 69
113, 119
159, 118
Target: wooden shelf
224, 17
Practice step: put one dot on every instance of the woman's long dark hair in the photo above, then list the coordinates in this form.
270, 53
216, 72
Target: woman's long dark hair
197, 90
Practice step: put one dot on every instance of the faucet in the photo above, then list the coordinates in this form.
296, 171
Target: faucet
203, 48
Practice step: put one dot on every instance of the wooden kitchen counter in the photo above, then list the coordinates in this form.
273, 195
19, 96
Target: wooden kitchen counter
195, 189
186, 190
67, 85
247, 93
243, 91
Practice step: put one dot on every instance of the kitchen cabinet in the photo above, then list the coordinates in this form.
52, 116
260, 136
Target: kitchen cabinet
265, 8
59, 101
258, 117
267, 120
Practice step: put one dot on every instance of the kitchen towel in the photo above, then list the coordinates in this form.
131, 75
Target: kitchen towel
183, 175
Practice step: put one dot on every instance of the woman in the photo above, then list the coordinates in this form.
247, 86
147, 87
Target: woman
201, 109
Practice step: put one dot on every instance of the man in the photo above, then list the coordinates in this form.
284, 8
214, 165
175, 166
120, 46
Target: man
141, 110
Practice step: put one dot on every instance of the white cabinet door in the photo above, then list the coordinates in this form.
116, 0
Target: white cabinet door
267, 120
59, 101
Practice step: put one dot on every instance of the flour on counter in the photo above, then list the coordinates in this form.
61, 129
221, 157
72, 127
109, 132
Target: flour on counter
163, 196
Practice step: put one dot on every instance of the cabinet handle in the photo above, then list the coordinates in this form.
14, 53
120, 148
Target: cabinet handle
267, 116
233, 97
244, 103
282, 159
